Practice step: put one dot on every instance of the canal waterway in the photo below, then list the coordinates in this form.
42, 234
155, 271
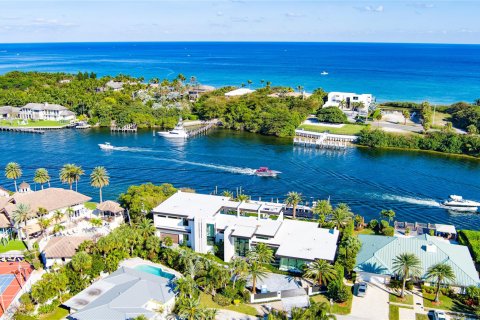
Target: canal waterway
411, 183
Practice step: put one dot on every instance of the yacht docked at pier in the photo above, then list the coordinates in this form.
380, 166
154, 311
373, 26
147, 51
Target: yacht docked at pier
178, 132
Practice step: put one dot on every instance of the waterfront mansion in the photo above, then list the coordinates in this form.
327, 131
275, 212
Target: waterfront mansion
46, 111
204, 222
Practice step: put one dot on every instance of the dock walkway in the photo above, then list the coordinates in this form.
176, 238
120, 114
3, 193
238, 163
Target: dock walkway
322, 139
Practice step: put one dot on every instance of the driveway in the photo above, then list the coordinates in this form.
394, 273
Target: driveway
373, 306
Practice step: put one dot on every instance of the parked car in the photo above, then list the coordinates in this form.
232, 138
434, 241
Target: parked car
361, 289
439, 315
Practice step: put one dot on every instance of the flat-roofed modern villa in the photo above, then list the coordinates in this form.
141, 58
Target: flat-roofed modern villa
205, 221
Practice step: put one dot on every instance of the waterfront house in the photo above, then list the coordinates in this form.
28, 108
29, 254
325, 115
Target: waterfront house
60, 250
348, 100
9, 112
46, 111
50, 199
125, 294
195, 92
114, 85
375, 259
204, 222
239, 92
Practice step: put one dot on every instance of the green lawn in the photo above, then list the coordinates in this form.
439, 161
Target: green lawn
337, 308
364, 231
91, 205
57, 314
39, 123
13, 245
394, 313
419, 316
207, 302
349, 129
408, 299
445, 303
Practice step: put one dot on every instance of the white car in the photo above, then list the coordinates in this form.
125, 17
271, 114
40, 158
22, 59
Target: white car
439, 315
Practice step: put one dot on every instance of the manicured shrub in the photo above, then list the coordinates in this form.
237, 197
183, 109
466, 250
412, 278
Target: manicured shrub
389, 231
222, 300
332, 115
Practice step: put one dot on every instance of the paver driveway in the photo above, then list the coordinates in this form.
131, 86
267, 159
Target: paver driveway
374, 306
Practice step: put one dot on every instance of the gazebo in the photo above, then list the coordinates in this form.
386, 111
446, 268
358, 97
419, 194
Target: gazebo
110, 209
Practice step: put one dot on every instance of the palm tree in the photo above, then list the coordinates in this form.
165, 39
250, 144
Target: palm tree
323, 208
44, 223
406, 265
351, 245
146, 228
99, 179
212, 278
77, 173
81, 262
21, 215
69, 212
243, 197
42, 211
238, 269
58, 227
186, 287
249, 83
228, 194
440, 273
13, 172
57, 216
67, 174
341, 216
41, 177
190, 309
261, 253
321, 271
257, 271
293, 199
388, 214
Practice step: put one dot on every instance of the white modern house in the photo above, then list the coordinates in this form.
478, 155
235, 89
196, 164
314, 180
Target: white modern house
205, 221
346, 100
46, 111
239, 92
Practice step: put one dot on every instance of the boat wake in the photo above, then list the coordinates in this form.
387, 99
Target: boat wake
412, 200
239, 170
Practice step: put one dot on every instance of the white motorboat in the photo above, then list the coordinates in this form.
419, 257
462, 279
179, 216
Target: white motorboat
457, 203
324, 73
178, 132
82, 125
106, 146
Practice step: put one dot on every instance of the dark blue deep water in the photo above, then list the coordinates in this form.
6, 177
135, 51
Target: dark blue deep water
436, 72
411, 183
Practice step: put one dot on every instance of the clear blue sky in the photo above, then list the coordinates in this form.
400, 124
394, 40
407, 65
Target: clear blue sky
240, 20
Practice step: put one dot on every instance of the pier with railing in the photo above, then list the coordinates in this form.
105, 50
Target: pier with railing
322, 139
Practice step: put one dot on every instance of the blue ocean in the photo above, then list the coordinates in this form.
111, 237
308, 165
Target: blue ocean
438, 73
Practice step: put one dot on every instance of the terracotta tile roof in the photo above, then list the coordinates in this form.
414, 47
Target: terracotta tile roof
63, 247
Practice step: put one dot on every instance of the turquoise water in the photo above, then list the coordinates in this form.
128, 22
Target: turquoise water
435, 72
411, 183
155, 271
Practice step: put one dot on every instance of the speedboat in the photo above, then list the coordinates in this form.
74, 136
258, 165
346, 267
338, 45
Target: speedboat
324, 73
265, 172
177, 132
106, 146
457, 203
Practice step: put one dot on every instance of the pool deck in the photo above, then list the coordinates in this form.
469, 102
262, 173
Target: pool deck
134, 262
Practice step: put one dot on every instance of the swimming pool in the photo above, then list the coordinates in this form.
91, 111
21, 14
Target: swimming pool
155, 271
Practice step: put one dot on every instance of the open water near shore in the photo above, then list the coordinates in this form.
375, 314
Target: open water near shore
440, 73
411, 183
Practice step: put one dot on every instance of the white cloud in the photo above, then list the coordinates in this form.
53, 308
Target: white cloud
219, 13
379, 8
42, 22
294, 15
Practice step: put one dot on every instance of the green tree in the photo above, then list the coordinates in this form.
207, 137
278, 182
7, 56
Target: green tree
472, 129
57, 216
257, 271
261, 253
331, 115
323, 208
406, 115
146, 228
68, 174
81, 262
388, 214
190, 309
187, 288
21, 214
321, 271
440, 273
293, 199
13, 172
99, 178
377, 115
406, 265
341, 216
41, 177
228, 194
238, 269
44, 223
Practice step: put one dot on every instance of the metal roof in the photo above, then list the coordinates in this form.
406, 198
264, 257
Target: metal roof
378, 252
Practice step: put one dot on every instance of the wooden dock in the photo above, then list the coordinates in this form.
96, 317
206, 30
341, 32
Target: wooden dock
322, 140
203, 129
126, 128
23, 130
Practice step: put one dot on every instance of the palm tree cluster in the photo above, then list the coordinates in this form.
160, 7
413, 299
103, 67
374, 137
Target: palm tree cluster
69, 174
408, 266
338, 217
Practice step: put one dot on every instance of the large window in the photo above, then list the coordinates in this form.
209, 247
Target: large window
291, 264
210, 234
241, 246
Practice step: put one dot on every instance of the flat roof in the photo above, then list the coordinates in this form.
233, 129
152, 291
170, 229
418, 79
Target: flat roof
305, 240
